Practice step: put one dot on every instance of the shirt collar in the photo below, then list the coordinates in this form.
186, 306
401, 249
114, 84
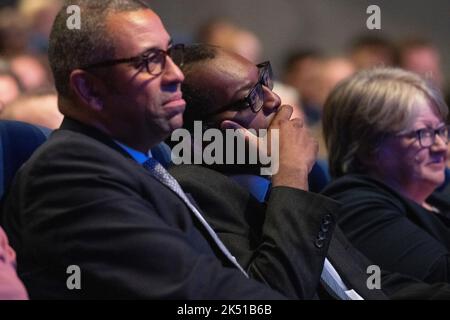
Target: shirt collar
138, 156
258, 186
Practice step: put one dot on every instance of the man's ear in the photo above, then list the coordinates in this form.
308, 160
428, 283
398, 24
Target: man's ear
87, 88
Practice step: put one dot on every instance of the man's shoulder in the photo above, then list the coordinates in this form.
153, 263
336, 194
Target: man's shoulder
70, 157
66, 140
66, 145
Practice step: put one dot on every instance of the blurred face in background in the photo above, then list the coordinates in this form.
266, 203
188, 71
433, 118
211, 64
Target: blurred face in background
372, 56
331, 72
303, 76
9, 89
30, 71
41, 110
425, 61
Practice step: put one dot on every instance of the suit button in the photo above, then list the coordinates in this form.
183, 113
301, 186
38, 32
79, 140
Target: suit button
322, 235
327, 219
319, 243
324, 228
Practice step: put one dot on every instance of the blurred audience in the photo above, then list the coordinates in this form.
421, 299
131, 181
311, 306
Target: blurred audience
7, 3
216, 31
40, 15
422, 57
31, 72
314, 77
369, 51
301, 72
40, 108
223, 33
10, 87
14, 33
331, 71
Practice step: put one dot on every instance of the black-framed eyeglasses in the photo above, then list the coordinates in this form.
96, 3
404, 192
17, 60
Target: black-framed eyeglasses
255, 98
427, 136
153, 61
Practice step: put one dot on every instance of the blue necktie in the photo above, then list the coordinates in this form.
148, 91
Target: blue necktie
161, 174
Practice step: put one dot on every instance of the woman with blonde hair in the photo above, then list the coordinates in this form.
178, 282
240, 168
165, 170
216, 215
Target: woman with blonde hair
387, 139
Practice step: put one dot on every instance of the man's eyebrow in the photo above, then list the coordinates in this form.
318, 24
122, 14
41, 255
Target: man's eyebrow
147, 51
151, 49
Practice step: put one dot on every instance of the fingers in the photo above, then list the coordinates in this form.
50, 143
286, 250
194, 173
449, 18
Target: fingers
283, 114
298, 123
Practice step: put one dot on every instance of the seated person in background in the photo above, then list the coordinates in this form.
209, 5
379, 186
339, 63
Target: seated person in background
222, 32
11, 288
14, 32
39, 108
31, 71
92, 196
10, 87
387, 139
301, 71
369, 51
216, 89
422, 57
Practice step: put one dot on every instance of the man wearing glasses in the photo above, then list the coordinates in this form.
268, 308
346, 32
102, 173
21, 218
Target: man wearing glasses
92, 199
224, 90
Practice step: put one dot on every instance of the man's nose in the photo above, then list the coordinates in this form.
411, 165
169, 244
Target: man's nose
172, 73
271, 100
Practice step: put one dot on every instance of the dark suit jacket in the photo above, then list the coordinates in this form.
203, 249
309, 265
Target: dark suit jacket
242, 223
393, 231
288, 240
81, 200
352, 266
